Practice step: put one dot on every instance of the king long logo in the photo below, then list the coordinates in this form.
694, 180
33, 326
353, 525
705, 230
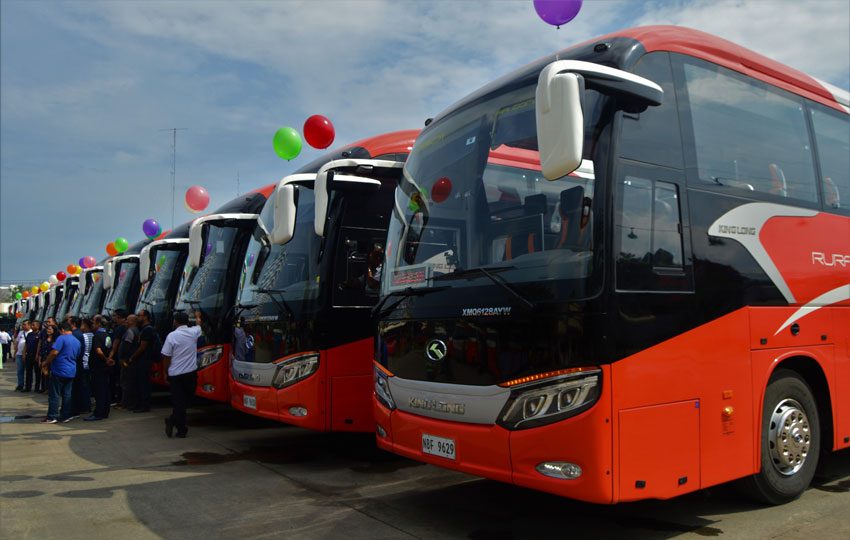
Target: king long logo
438, 406
803, 252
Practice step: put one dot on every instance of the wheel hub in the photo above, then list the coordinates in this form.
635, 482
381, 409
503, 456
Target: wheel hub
789, 437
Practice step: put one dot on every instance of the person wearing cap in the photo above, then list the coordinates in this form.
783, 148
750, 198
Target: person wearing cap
180, 359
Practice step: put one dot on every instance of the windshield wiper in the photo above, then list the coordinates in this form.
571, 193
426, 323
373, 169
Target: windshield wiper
490, 273
280, 302
379, 310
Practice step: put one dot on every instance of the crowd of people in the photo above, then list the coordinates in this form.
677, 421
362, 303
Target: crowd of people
106, 360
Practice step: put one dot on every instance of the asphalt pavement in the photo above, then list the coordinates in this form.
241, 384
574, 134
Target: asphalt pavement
237, 476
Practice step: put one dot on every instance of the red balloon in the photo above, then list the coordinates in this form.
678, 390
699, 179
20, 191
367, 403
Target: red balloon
110, 249
319, 131
61, 276
197, 199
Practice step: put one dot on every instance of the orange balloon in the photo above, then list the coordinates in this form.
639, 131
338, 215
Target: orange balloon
70, 268
25, 294
19, 314
110, 249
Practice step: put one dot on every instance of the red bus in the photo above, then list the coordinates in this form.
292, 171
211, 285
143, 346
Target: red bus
217, 244
302, 350
661, 303
161, 265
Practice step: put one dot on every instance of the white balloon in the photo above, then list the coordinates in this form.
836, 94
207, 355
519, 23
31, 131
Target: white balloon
53, 279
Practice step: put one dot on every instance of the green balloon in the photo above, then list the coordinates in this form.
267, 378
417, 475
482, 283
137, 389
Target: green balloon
287, 143
121, 244
18, 296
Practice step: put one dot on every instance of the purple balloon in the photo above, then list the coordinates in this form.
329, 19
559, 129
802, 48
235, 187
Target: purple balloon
250, 259
151, 228
557, 12
82, 262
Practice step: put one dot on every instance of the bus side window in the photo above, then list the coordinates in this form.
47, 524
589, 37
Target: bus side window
650, 255
748, 136
653, 135
832, 135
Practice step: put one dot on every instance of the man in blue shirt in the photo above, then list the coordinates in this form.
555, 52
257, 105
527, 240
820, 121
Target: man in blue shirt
63, 367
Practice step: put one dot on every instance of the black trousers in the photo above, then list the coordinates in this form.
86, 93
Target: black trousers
182, 391
32, 369
143, 383
115, 382
81, 391
100, 389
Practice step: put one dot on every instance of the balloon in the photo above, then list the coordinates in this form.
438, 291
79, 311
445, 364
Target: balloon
163, 234
151, 228
45, 286
19, 315
88, 262
110, 249
82, 262
53, 280
208, 249
70, 268
121, 244
557, 12
76, 270
18, 296
287, 143
197, 199
319, 132
61, 276
25, 294
34, 290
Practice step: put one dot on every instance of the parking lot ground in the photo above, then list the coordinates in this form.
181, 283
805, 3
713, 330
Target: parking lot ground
236, 476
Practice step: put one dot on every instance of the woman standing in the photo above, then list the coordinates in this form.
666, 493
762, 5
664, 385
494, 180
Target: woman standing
51, 332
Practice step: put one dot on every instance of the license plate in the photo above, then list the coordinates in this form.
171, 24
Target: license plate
249, 401
438, 446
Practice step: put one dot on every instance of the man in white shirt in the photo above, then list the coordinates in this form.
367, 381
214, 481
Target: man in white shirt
5, 343
180, 358
20, 346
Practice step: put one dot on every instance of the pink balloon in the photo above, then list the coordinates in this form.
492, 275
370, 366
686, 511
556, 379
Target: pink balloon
90, 261
197, 199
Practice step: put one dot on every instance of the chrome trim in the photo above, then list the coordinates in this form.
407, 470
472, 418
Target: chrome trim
252, 373
480, 404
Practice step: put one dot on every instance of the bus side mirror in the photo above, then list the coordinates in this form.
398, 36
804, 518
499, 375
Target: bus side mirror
144, 264
560, 121
329, 181
560, 114
285, 208
195, 244
108, 274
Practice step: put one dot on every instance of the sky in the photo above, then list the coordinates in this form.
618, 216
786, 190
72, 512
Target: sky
87, 87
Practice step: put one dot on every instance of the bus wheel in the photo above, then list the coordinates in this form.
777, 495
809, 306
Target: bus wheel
790, 440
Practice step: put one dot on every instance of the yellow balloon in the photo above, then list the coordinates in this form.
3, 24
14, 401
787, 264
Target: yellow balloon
77, 269
45, 286
34, 289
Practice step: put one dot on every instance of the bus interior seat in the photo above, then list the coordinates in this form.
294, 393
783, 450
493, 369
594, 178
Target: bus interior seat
570, 207
527, 242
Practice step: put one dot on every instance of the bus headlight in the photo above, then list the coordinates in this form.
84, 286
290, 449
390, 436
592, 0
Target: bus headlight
382, 388
210, 356
550, 400
295, 369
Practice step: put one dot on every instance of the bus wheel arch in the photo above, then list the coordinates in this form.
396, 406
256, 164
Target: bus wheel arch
792, 431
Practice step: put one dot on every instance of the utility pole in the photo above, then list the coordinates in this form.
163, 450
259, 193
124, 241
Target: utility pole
173, 166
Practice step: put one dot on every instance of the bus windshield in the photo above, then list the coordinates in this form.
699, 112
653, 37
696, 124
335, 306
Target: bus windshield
154, 296
278, 282
127, 274
206, 287
68, 298
94, 296
473, 197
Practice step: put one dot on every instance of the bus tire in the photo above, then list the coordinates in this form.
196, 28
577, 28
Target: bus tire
790, 440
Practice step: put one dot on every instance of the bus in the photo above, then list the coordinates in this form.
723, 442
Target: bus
92, 292
54, 295
121, 279
217, 244
661, 306
302, 346
69, 288
160, 269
